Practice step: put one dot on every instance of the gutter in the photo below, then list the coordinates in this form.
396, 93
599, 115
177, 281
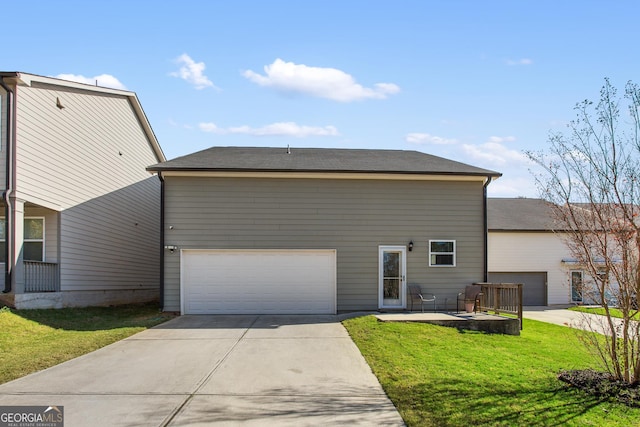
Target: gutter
9, 190
485, 219
161, 240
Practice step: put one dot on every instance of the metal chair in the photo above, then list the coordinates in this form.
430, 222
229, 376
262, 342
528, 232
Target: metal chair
415, 292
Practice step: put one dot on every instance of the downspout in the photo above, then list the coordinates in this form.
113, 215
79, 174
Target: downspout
161, 240
6, 195
485, 219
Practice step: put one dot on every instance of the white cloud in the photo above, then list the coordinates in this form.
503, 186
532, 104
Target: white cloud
192, 72
521, 61
274, 129
494, 154
320, 82
501, 139
105, 80
425, 138
513, 185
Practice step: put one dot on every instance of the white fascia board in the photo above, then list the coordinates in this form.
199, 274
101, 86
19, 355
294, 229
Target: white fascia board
323, 175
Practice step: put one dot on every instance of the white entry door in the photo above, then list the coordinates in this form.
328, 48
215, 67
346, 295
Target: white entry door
391, 276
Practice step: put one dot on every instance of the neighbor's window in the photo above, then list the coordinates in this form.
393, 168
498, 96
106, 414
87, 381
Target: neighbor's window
33, 245
442, 253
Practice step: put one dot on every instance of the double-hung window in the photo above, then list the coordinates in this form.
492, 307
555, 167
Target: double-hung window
442, 253
33, 244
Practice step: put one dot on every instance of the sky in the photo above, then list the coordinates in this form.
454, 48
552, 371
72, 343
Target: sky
480, 82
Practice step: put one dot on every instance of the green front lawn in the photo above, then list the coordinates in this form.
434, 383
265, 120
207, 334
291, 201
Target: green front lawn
32, 340
438, 376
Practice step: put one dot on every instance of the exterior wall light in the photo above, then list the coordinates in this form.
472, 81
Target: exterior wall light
410, 246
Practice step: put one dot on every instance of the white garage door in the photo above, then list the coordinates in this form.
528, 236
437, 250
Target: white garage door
258, 281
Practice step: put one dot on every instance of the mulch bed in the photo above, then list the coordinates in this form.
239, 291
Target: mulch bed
602, 384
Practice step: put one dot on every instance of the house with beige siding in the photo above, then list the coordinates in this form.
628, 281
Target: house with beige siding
526, 246
80, 216
304, 230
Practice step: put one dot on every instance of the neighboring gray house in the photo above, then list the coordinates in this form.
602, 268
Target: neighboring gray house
273, 230
80, 216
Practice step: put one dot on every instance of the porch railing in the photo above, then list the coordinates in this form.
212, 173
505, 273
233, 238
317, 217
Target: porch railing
41, 277
502, 298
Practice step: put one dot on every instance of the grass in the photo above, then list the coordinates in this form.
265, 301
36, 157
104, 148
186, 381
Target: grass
32, 340
438, 376
599, 310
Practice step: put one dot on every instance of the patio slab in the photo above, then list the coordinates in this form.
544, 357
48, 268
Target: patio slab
463, 321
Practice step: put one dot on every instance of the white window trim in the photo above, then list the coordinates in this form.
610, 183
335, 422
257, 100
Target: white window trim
44, 234
443, 253
37, 240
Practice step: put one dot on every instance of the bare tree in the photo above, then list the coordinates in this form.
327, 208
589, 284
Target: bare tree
591, 177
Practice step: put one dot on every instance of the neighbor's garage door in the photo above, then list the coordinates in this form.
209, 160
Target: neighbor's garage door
534, 289
258, 281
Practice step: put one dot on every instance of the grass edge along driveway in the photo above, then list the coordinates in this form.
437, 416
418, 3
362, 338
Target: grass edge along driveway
33, 340
438, 376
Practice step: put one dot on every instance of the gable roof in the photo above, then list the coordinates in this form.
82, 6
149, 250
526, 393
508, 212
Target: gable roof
323, 160
519, 214
25, 79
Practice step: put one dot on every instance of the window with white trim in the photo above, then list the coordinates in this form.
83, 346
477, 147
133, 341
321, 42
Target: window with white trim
442, 253
33, 243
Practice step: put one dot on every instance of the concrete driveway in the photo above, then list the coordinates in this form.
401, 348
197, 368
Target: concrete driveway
216, 370
573, 319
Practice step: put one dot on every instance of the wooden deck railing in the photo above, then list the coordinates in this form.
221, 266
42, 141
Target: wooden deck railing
502, 298
41, 277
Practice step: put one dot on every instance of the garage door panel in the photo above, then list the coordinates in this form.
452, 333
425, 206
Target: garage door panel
259, 282
534, 290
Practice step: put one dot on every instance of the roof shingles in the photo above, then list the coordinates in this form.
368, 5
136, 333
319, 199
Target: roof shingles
519, 214
318, 160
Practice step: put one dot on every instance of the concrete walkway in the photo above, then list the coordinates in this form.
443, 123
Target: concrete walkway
216, 370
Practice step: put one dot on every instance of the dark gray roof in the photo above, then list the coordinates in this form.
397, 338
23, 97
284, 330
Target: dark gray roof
519, 215
318, 160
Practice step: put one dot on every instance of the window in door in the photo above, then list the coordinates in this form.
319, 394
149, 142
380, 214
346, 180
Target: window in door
576, 286
392, 281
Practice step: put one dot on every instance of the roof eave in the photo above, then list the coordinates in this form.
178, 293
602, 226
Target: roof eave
315, 174
156, 168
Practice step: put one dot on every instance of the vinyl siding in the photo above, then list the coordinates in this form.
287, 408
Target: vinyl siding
529, 252
93, 146
3, 138
354, 217
112, 242
88, 162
